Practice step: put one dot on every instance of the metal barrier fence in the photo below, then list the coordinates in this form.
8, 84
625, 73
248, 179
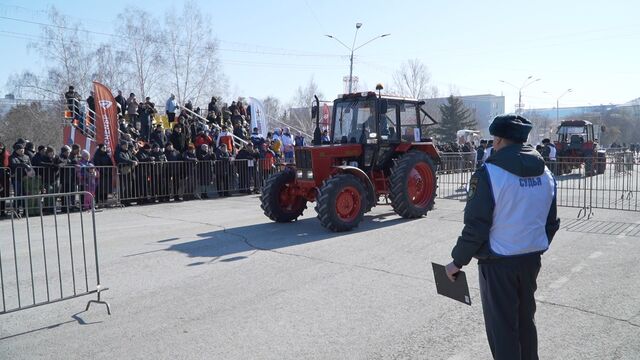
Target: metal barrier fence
454, 173
48, 259
190, 179
613, 185
150, 181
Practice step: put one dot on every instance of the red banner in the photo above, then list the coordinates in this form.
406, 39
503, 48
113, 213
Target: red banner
325, 116
106, 118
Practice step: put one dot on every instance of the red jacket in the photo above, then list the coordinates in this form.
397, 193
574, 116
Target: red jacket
4, 161
203, 139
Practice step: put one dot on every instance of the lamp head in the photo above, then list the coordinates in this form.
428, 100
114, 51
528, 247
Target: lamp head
358, 25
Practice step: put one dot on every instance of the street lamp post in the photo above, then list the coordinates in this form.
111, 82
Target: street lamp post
353, 48
557, 106
526, 83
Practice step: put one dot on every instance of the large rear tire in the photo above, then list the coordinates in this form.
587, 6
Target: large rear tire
341, 203
277, 199
413, 185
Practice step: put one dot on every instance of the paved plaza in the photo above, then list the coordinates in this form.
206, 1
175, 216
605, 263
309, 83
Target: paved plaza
214, 279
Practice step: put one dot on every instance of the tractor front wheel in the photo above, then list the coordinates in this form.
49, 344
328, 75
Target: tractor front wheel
412, 187
278, 200
341, 203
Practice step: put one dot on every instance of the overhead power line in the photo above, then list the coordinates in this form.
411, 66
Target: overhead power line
282, 52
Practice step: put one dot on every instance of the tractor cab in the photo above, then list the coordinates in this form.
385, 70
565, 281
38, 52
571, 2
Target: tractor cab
381, 125
575, 137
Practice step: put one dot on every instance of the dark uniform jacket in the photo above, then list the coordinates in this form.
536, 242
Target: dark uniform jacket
519, 160
124, 157
159, 138
19, 164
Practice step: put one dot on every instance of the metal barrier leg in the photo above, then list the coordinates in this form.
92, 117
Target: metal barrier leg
99, 301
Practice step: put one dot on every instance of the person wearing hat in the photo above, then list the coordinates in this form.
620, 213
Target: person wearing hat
509, 221
245, 164
20, 166
5, 178
126, 163
103, 160
158, 136
213, 112
73, 101
173, 170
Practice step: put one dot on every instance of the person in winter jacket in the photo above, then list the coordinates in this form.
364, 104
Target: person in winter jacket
510, 219
103, 161
178, 139
158, 136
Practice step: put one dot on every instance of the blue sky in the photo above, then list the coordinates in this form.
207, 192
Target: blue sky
589, 46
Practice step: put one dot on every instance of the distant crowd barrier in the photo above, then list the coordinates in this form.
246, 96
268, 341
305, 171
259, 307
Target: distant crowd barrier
126, 184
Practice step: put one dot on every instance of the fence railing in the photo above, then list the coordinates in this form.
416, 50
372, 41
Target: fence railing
611, 182
454, 173
48, 259
124, 184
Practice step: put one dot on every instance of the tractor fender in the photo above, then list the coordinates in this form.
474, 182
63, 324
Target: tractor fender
366, 181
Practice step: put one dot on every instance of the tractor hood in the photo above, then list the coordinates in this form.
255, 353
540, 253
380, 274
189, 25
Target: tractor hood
518, 159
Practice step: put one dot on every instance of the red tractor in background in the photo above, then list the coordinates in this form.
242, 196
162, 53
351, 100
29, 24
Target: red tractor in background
377, 147
577, 145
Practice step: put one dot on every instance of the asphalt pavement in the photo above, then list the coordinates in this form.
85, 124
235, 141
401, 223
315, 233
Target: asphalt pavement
215, 279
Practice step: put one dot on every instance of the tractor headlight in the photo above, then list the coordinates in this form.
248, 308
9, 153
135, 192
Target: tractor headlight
299, 173
309, 174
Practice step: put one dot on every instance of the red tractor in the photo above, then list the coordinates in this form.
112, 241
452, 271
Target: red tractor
376, 147
577, 145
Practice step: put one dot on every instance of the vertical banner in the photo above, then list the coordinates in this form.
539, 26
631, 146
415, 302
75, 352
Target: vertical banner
106, 121
324, 122
258, 116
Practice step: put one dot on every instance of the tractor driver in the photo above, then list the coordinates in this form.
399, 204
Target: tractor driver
383, 124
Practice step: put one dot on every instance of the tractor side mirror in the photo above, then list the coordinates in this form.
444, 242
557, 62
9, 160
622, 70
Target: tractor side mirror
314, 111
603, 128
384, 106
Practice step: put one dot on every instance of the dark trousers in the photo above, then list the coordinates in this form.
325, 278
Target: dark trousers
507, 290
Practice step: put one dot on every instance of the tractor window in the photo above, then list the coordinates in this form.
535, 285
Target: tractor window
388, 127
410, 130
575, 134
351, 119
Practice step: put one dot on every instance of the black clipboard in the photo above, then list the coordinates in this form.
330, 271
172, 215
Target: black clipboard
458, 290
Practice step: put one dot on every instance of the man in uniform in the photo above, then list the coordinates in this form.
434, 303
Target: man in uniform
510, 219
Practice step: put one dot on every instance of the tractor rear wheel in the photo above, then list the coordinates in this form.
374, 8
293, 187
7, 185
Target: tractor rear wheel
278, 201
412, 187
341, 203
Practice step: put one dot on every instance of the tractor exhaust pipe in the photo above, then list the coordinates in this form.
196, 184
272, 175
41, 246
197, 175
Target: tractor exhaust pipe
315, 112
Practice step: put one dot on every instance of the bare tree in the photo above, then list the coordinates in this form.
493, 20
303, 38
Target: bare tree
414, 80
145, 57
70, 60
27, 85
299, 116
111, 67
193, 61
305, 95
273, 107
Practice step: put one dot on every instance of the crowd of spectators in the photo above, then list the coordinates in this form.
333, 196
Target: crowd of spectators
198, 150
